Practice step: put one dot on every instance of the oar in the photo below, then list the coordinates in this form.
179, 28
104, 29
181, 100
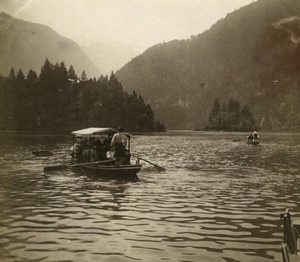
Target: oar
60, 167
119, 162
159, 168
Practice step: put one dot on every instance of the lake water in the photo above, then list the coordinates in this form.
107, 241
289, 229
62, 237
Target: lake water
218, 200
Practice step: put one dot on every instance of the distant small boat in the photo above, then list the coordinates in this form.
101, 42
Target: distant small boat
253, 141
253, 138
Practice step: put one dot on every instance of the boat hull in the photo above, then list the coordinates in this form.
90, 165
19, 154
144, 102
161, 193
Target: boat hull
253, 141
121, 171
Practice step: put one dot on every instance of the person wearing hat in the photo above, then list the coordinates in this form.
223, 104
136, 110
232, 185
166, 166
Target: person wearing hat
119, 144
255, 135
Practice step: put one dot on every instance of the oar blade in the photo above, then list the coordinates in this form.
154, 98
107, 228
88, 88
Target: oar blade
42, 153
54, 168
159, 168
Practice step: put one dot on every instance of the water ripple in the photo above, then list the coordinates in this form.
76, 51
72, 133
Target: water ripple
218, 200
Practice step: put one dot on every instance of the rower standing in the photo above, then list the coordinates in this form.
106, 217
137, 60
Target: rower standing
119, 144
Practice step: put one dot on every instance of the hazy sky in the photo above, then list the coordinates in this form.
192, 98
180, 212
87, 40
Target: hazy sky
139, 23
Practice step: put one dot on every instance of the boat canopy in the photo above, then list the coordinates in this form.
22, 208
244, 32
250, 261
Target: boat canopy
93, 131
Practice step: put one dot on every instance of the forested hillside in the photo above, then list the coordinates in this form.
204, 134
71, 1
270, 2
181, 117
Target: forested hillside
58, 100
252, 55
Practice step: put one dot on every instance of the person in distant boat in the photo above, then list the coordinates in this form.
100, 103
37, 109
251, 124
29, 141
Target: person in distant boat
76, 150
250, 137
255, 135
118, 145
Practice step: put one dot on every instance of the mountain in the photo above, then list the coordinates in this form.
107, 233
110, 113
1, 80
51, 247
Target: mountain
252, 55
110, 56
26, 45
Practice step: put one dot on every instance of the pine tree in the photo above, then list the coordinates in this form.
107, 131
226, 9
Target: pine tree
233, 114
247, 121
83, 77
32, 76
12, 74
71, 74
215, 117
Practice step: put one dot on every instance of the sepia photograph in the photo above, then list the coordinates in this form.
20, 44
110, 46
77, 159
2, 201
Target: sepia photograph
150, 130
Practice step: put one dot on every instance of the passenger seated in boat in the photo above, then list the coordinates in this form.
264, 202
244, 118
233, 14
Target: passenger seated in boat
90, 155
119, 144
255, 135
106, 144
250, 137
100, 150
76, 149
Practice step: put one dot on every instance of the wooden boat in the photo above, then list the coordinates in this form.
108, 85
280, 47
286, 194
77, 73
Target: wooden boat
111, 168
253, 138
253, 141
290, 248
99, 162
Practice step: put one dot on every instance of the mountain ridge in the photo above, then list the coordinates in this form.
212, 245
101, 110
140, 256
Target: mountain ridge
26, 45
240, 56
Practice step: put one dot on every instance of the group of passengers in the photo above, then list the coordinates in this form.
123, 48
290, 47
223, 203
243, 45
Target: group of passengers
253, 136
101, 148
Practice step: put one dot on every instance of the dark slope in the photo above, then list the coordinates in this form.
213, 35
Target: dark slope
251, 55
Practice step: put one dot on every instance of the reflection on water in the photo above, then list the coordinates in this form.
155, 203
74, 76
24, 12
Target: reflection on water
219, 200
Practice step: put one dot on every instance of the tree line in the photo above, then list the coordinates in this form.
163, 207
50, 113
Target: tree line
230, 117
59, 100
